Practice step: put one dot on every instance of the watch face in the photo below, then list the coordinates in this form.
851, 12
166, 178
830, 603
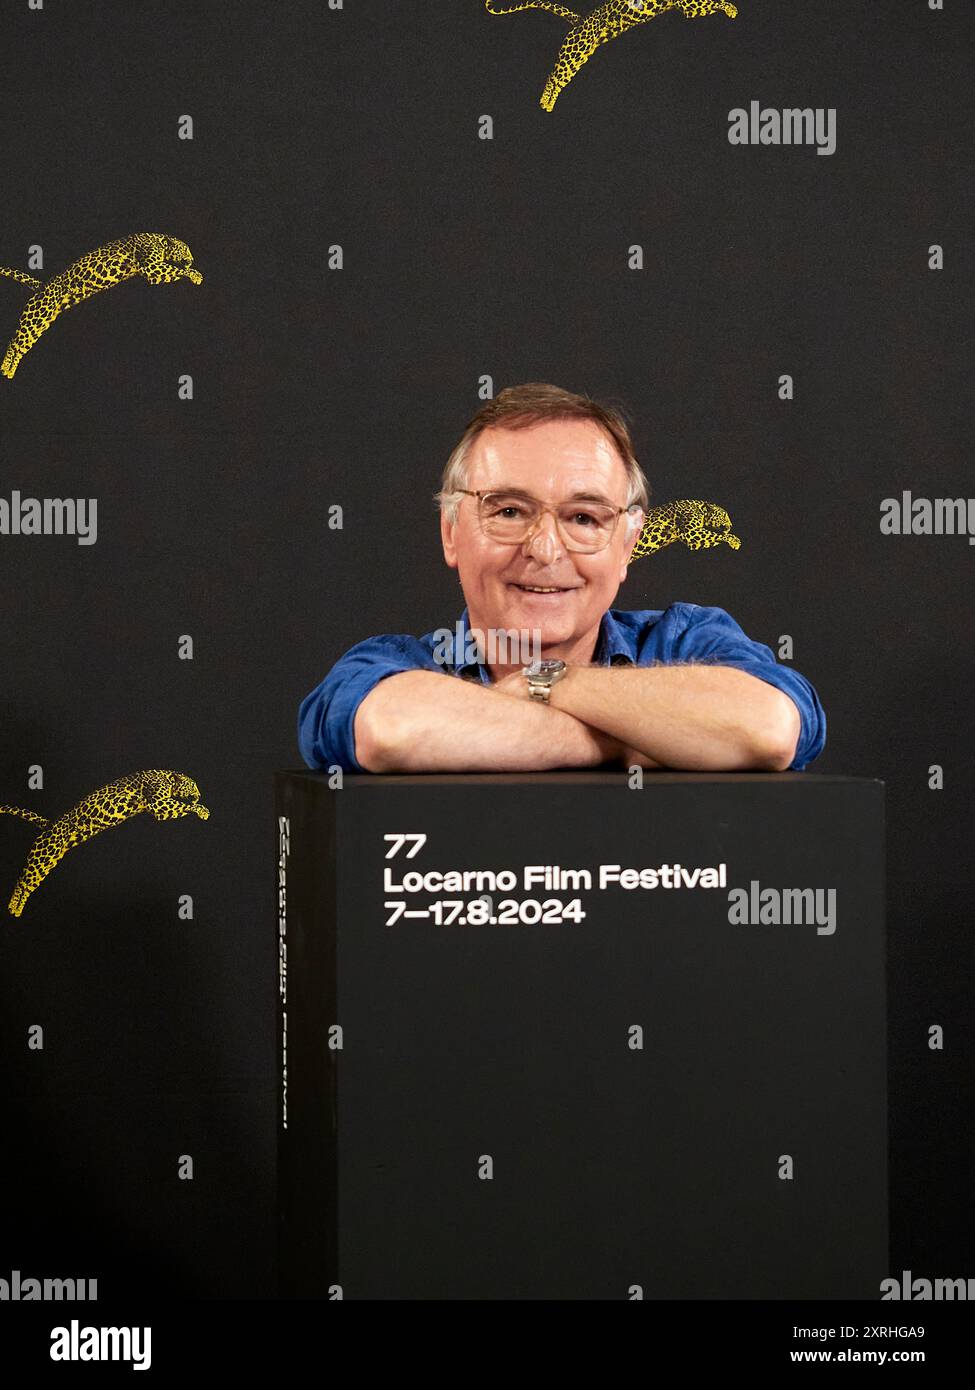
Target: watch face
546, 667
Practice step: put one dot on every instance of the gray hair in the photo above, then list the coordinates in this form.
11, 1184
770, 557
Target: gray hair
518, 407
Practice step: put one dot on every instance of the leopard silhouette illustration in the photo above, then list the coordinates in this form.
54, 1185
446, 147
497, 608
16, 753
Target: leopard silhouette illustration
607, 21
165, 795
160, 259
699, 525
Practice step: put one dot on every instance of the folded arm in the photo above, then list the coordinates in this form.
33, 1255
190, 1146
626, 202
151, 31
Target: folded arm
695, 717
427, 721
686, 716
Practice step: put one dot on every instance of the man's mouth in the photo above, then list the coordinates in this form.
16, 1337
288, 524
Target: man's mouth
541, 589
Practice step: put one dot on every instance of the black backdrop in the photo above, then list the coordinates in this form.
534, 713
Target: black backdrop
464, 258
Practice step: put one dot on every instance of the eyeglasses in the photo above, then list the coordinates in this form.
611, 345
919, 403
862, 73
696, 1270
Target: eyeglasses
511, 517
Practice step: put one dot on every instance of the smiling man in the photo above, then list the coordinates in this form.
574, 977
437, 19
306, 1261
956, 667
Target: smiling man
541, 504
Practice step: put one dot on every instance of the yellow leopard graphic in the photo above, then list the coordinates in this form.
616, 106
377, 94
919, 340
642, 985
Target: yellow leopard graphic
165, 795
700, 525
161, 259
606, 22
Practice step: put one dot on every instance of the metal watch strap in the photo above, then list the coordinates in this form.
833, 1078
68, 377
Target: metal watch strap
540, 682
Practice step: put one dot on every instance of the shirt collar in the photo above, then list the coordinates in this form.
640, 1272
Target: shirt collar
611, 648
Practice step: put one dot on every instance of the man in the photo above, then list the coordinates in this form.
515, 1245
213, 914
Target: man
541, 504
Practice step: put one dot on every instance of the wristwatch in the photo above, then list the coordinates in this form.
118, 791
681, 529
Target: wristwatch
541, 676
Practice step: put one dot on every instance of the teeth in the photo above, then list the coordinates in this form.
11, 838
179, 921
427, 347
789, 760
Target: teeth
534, 589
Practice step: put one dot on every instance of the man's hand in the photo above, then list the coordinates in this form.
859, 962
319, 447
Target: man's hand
514, 683
614, 749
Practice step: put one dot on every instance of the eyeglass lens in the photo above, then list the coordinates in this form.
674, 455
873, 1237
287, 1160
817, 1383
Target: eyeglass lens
584, 525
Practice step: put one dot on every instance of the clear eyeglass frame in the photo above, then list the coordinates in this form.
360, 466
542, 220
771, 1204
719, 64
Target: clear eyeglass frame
541, 509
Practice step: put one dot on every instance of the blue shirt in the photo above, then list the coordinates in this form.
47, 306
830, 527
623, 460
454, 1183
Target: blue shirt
684, 632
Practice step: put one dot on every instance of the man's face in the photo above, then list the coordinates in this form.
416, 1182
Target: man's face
551, 460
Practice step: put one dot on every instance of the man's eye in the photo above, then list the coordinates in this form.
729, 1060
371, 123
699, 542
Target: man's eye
586, 517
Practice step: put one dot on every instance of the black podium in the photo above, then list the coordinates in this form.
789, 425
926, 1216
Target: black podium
552, 1036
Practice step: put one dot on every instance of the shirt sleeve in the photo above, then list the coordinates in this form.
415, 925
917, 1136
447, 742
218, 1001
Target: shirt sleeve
326, 716
712, 635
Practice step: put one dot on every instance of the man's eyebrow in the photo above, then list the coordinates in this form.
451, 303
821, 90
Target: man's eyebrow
578, 496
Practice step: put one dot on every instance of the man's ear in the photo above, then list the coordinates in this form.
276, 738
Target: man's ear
447, 538
634, 523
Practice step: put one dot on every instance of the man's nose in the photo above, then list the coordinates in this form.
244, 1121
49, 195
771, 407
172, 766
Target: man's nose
544, 542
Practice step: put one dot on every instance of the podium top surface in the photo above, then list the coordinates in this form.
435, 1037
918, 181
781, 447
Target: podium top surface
581, 777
